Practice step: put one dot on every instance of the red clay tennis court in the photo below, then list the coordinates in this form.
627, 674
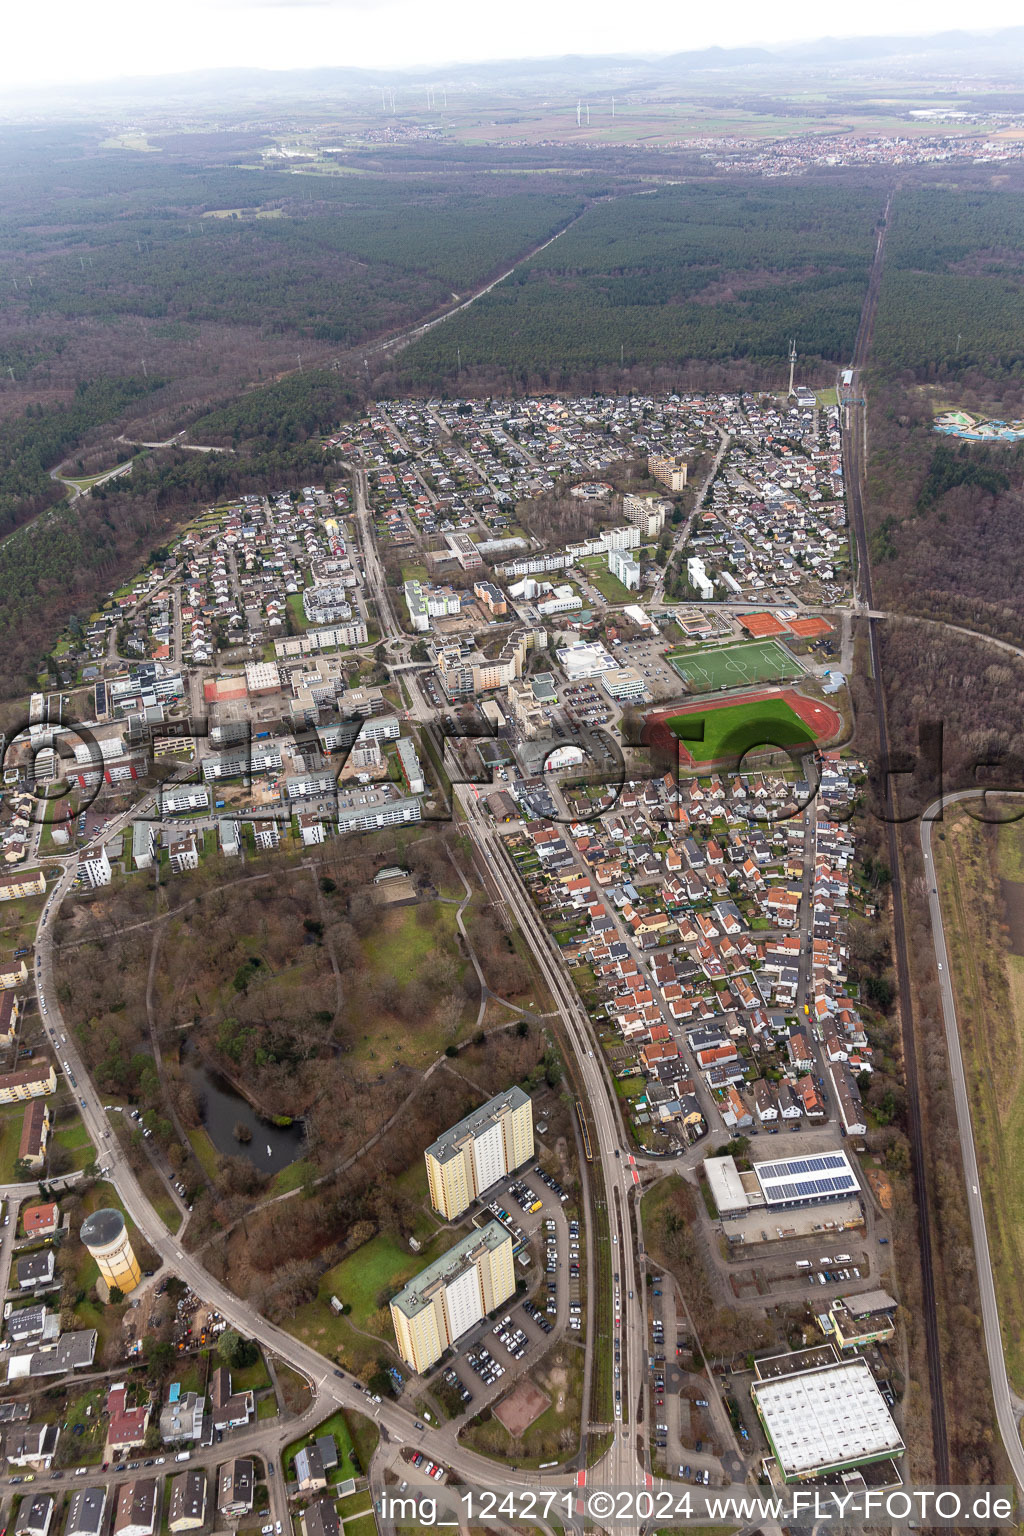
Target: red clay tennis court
810, 628
761, 625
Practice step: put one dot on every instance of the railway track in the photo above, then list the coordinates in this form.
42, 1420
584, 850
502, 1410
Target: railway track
853, 455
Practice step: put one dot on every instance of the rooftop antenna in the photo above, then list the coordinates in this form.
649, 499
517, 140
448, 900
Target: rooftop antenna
792, 364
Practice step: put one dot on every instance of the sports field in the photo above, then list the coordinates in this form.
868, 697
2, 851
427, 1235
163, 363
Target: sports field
759, 661
784, 719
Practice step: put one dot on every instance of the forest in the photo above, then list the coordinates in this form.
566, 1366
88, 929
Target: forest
702, 270
953, 282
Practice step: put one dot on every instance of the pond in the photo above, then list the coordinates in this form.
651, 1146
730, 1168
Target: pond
271, 1148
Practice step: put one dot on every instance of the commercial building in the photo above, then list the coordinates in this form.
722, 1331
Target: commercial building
262, 677
624, 568
106, 1238
625, 685
852, 1332
584, 659
824, 1420
484, 1147
452, 1294
464, 550
789, 1183
525, 709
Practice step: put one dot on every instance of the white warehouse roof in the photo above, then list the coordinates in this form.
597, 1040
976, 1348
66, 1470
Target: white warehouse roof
827, 1418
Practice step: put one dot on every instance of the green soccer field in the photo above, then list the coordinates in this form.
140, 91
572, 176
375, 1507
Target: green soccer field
736, 728
732, 666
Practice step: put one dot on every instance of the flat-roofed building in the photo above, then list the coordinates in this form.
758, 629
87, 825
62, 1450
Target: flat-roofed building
828, 1419
482, 1148
670, 471
452, 1294
624, 568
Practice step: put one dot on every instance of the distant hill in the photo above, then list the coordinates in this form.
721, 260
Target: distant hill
999, 52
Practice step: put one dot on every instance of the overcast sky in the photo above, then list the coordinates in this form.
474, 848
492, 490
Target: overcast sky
88, 40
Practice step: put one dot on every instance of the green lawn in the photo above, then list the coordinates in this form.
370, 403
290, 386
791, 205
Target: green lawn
382, 1265
11, 1117
338, 1426
609, 586
76, 1138
733, 729
295, 609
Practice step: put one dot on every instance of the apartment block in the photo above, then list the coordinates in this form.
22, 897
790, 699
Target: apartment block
452, 1294
484, 1147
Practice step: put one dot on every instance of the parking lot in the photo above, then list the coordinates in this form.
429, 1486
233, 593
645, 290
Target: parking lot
490, 1356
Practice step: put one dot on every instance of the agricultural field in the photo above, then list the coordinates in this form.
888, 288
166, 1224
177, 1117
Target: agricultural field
731, 666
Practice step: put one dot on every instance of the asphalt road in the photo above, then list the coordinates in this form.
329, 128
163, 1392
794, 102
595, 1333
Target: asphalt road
1008, 1406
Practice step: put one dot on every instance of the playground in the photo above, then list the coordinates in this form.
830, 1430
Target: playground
780, 719
735, 666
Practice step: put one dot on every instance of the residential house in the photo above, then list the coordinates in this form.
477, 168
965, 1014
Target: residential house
320, 1519
187, 1510
310, 1473
235, 1487
181, 1417
36, 1270
31, 1445
127, 1427
230, 1409
137, 1508
35, 1515
86, 1511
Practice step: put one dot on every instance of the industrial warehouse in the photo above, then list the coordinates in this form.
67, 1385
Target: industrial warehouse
827, 1419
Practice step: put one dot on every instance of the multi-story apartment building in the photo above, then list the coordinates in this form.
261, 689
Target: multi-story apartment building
624, 568
671, 472
482, 1148
452, 1294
